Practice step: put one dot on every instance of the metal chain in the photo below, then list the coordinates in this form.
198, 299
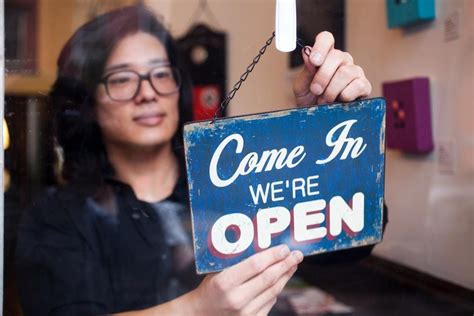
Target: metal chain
243, 77
249, 69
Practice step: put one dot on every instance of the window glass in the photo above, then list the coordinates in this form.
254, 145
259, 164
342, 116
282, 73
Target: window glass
96, 209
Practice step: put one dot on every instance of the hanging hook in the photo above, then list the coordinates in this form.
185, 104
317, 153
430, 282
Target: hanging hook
306, 49
204, 8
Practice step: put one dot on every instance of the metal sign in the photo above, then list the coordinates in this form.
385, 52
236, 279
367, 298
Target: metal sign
312, 178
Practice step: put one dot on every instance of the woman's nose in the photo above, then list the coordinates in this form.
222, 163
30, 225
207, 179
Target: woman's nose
146, 92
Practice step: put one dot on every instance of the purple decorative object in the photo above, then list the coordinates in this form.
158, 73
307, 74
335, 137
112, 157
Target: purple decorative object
409, 115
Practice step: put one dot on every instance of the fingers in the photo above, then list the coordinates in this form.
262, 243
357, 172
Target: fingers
342, 78
358, 88
260, 272
272, 283
270, 276
329, 75
326, 73
303, 81
323, 44
252, 266
266, 309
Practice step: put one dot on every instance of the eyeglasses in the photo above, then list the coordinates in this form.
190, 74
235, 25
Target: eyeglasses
124, 85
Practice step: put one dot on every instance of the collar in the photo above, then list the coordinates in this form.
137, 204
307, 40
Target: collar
179, 193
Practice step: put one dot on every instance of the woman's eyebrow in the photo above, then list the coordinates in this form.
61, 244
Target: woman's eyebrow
158, 61
116, 67
151, 62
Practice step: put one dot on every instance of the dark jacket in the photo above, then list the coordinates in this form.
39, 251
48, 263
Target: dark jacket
79, 255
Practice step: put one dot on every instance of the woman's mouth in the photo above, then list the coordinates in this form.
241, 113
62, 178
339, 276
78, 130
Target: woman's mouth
149, 119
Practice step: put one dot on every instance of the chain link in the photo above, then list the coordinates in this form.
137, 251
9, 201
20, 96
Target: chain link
244, 76
249, 69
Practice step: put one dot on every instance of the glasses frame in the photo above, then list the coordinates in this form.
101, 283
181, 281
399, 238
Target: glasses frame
147, 77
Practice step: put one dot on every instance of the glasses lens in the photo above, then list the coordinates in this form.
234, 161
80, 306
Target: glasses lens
123, 85
166, 80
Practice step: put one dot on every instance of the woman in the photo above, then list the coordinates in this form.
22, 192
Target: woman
114, 238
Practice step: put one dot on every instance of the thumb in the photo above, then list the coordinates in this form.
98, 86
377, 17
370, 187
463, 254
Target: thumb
308, 65
301, 85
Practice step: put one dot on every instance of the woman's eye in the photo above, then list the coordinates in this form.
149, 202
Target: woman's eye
162, 75
119, 80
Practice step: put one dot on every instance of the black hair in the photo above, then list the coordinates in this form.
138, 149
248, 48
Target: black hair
72, 97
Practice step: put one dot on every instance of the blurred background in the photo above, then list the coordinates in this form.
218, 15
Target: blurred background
425, 263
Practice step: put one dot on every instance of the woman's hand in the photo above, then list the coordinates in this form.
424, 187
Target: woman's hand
248, 288
329, 75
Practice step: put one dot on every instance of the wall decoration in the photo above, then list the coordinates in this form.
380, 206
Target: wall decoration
402, 13
409, 115
204, 52
21, 36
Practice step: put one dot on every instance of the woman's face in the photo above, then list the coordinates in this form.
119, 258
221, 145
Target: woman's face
148, 118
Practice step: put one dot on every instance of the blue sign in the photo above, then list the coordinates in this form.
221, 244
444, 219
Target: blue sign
312, 178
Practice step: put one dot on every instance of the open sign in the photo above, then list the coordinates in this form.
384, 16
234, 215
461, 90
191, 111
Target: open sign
312, 178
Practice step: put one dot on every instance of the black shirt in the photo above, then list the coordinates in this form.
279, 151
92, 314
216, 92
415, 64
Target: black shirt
79, 255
